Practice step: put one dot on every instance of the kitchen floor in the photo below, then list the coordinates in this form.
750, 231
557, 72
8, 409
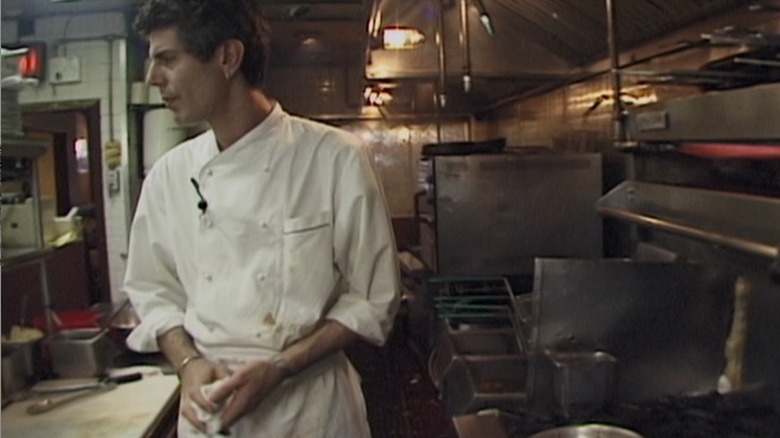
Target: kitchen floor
400, 399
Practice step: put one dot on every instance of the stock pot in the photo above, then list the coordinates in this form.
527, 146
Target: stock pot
587, 431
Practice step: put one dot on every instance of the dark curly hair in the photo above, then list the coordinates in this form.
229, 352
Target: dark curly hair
205, 24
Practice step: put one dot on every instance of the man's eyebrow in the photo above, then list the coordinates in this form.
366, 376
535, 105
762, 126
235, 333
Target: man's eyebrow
164, 53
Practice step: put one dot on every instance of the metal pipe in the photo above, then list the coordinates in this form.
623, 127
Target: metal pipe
618, 134
48, 306
465, 44
441, 96
703, 74
748, 246
618, 117
39, 243
36, 210
751, 61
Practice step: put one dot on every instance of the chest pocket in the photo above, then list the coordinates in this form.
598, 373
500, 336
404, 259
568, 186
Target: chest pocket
308, 272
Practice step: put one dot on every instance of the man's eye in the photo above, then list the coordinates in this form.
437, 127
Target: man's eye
164, 58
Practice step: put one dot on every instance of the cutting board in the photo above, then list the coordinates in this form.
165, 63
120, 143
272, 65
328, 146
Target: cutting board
125, 412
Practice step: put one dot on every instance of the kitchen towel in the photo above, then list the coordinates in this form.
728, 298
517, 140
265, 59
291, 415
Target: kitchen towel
212, 420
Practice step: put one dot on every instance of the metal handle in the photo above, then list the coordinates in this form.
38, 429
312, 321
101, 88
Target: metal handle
47, 404
732, 242
82, 384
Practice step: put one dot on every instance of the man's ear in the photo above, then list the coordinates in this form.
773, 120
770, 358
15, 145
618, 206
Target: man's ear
232, 55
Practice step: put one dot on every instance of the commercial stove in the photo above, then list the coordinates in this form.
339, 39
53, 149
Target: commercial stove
662, 324
705, 416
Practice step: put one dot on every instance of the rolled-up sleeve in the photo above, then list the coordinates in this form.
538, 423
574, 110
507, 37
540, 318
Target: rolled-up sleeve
151, 281
365, 252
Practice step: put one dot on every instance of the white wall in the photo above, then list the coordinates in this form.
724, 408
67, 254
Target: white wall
99, 41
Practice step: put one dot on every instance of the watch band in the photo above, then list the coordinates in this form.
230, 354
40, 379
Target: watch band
281, 364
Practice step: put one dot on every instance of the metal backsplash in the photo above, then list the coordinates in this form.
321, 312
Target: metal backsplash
495, 212
665, 323
748, 114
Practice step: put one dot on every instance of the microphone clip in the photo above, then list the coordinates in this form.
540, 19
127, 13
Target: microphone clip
202, 204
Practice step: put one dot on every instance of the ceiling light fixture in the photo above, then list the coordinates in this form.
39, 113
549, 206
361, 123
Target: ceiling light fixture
401, 38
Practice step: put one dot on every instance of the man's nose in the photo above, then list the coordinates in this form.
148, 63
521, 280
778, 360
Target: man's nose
153, 76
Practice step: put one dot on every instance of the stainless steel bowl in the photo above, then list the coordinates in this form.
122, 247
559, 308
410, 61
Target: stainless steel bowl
587, 431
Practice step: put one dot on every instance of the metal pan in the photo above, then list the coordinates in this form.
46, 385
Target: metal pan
587, 431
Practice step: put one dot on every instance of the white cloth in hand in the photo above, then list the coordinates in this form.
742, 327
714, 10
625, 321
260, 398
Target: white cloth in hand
212, 420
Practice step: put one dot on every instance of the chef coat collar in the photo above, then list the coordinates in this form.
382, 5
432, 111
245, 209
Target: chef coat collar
257, 137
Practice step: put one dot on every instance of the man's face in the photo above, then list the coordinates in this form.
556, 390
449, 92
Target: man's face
190, 88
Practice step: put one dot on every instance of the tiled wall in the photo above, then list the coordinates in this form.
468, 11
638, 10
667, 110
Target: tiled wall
99, 41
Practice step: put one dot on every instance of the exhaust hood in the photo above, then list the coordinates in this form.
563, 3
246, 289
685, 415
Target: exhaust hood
526, 47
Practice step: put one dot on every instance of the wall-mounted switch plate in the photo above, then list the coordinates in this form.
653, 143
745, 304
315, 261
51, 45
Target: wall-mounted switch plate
64, 70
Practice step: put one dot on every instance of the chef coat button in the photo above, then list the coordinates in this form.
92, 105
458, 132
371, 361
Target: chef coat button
208, 277
264, 224
267, 169
258, 335
261, 277
210, 173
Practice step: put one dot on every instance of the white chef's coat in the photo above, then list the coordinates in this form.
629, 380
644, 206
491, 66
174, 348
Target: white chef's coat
295, 230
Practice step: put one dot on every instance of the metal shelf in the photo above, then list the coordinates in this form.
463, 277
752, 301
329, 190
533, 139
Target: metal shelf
22, 147
741, 115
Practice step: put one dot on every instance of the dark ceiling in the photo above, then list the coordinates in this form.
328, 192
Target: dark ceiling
338, 26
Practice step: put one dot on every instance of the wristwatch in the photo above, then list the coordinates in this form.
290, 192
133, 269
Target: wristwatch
281, 364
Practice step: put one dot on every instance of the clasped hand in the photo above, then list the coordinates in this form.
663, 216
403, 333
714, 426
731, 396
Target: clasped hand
241, 393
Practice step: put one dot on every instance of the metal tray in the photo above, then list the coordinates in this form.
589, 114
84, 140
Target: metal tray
450, 345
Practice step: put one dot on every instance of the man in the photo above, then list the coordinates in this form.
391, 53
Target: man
259, 249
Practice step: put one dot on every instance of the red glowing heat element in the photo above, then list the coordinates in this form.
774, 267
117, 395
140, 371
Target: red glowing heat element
729, 150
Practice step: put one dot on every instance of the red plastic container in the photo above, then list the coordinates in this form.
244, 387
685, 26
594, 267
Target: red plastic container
69, 319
